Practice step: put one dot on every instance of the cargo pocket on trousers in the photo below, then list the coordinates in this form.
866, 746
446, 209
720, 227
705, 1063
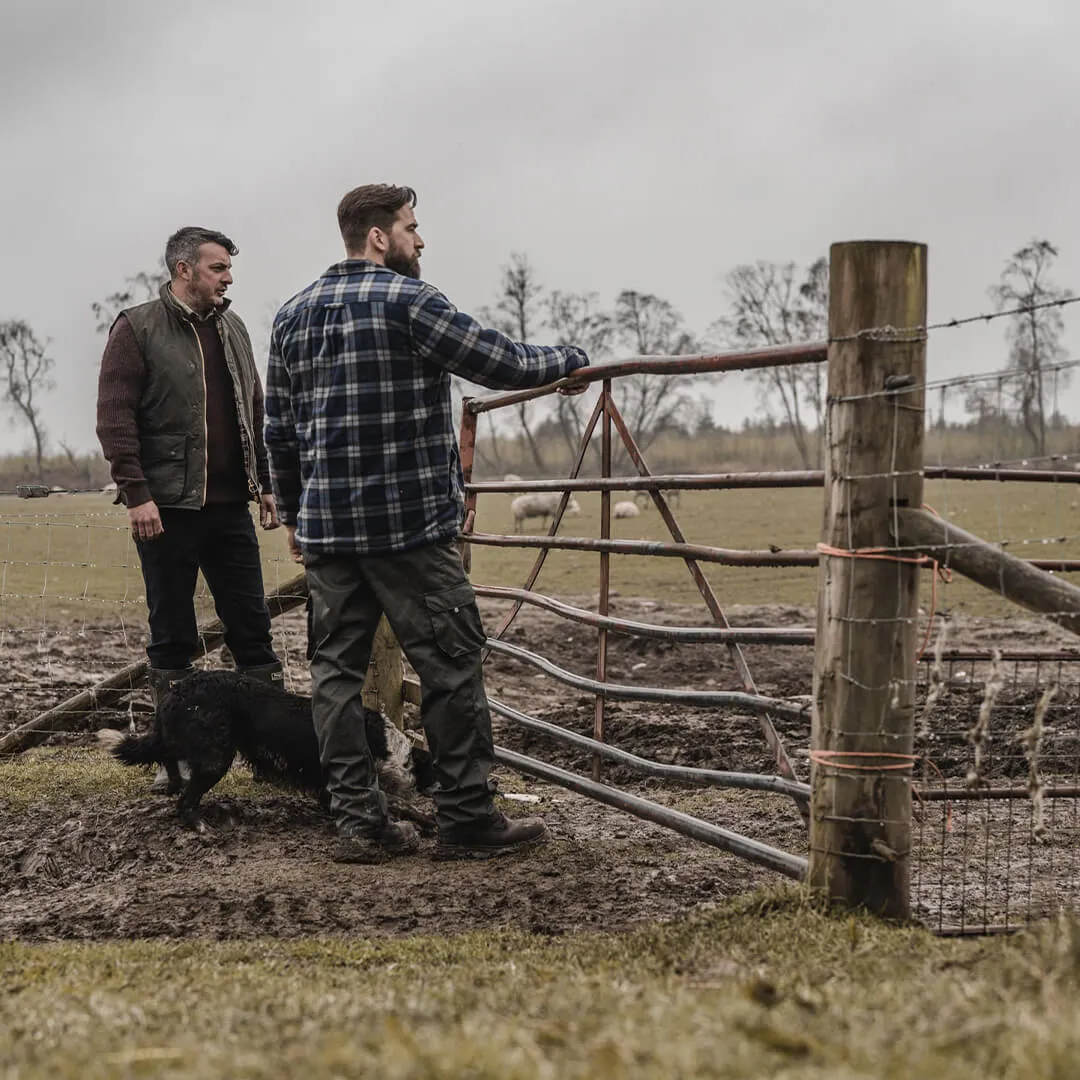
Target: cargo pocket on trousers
455, 622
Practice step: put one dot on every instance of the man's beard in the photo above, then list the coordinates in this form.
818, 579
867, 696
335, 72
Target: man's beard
397, 261
207, 299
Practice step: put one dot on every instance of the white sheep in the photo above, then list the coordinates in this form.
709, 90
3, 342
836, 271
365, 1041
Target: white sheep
644, 499
626, 510
541, 504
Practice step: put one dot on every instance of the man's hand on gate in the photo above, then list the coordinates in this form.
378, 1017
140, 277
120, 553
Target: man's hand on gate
145, 521
569, 387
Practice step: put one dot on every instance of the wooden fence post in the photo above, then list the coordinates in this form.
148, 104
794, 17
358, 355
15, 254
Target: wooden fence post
382, 687
865, 653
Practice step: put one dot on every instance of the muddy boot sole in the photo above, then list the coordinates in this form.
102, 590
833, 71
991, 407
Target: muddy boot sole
448, 852
371, 850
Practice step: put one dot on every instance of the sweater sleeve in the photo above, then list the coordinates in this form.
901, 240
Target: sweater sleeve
120, 387
258, 419
282, 445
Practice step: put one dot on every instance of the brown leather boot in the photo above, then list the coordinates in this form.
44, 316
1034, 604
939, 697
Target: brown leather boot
492, 836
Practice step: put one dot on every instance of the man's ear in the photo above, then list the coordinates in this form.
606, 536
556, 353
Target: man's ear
377, 240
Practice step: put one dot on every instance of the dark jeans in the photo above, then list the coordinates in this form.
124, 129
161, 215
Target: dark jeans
431, 608
219, 540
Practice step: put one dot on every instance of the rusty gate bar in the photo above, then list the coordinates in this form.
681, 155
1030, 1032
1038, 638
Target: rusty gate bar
680, 481
747, 635
982, 794
1034, 655
778, 785
729, 557
725, 556
782, 478
773, 356
605, 571
755, 703
783, 862
979, 472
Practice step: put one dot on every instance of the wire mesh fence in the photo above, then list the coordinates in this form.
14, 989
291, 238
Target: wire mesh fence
997, 814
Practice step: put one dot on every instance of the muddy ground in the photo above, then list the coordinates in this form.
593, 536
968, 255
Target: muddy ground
72, 868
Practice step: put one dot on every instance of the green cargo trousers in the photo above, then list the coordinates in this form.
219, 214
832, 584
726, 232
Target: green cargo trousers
431, 607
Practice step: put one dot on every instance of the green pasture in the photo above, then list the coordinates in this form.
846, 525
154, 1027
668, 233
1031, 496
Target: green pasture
71, 558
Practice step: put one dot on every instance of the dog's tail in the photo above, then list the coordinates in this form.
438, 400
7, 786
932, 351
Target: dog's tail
132, 749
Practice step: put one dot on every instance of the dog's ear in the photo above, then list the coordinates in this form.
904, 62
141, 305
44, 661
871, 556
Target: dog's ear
423, 767
375, 729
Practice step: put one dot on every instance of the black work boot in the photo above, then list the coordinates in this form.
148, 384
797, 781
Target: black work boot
376, 845
491, 836
161, 682
272, 674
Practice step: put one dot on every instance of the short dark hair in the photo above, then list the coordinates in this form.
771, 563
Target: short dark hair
184, 244
372, 206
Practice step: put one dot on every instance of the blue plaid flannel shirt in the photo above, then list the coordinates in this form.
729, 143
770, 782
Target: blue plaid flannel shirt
359, 426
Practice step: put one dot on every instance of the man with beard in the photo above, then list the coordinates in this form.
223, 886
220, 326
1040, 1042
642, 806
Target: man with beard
180, 418
365, 467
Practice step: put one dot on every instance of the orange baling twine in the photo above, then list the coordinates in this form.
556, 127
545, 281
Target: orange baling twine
883, 554
895, 763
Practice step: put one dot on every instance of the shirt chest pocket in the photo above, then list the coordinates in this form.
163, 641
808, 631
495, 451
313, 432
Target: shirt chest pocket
455, 620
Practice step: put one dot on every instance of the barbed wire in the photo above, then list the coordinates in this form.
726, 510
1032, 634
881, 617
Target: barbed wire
914, 334
907, 385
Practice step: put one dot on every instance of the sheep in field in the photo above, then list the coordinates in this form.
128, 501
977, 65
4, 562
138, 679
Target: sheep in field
626, 510
644, 498
541, 504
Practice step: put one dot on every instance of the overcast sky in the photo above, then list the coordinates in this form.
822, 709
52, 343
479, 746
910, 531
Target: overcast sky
644, 144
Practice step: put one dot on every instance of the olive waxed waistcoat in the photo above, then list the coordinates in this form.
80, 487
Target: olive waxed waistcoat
172, 410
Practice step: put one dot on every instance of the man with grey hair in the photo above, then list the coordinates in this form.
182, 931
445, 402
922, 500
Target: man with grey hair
180, 421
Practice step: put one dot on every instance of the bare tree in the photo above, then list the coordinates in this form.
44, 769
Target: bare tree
647, 325
517, 313
24, 367
81, 467
1034, 335
143, 286
575, 319
773, 304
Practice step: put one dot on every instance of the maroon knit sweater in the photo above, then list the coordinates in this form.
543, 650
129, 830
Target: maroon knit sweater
123, 373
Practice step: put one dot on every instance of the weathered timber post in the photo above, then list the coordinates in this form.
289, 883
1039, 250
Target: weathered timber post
1016, 580
865, 653
382, 686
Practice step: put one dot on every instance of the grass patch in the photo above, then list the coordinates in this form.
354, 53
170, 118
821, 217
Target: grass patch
86, 774
768, 986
